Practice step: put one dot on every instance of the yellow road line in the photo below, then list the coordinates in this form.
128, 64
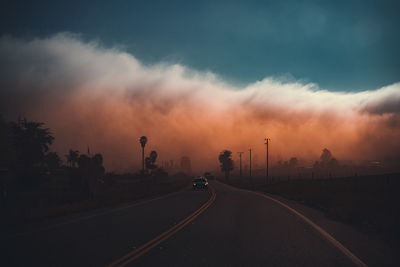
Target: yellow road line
131, 256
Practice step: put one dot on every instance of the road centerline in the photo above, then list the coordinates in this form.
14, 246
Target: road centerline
136, 253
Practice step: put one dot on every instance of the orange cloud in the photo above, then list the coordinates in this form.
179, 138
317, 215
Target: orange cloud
105, 98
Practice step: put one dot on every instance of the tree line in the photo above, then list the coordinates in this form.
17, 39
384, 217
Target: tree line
325, 162
26, 160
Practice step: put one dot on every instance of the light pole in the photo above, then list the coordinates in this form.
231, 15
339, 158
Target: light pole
143, 141
266, 170
250, 162
240, 163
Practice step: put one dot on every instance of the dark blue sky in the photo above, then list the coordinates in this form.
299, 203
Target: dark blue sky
341, 45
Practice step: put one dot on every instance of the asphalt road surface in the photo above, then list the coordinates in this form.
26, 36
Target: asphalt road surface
218, 227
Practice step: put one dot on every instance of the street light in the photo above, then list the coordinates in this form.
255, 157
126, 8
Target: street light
266, 170
143, 141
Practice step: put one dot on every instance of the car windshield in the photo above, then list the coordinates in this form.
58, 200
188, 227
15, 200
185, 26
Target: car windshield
198, 180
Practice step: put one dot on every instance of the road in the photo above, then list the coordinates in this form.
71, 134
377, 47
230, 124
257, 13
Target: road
233, 228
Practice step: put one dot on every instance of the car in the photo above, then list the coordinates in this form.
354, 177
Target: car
200, 183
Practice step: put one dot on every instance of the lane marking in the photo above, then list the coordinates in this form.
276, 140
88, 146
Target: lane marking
143, 249
357, 261
108, 211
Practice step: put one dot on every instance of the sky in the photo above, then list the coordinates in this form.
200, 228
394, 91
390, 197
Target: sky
202, 77
340, 45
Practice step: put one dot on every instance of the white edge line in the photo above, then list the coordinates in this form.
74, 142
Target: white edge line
330, 238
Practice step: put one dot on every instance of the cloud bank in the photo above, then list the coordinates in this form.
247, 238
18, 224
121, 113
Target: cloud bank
90, 95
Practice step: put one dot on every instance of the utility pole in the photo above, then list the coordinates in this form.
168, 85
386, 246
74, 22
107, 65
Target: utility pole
266, 169
240, 163
250, 162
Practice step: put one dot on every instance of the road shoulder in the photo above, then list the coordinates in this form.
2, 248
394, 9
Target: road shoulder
367, 246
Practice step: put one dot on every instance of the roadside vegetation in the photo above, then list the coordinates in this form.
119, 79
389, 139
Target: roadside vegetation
35, 184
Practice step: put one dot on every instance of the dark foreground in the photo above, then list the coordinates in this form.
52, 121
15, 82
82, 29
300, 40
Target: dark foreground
370, 203
239, 229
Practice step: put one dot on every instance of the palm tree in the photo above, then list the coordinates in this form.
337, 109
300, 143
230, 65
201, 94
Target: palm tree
31, 141
143, 141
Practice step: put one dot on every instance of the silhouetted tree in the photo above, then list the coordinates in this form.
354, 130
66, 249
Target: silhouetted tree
72, 157
30, 143
153, 156
98, 159
332, 163
83, 161
327, 160
7, 154
325, 156
327, 163
225, 158
52, 161
151, 160
90, 170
